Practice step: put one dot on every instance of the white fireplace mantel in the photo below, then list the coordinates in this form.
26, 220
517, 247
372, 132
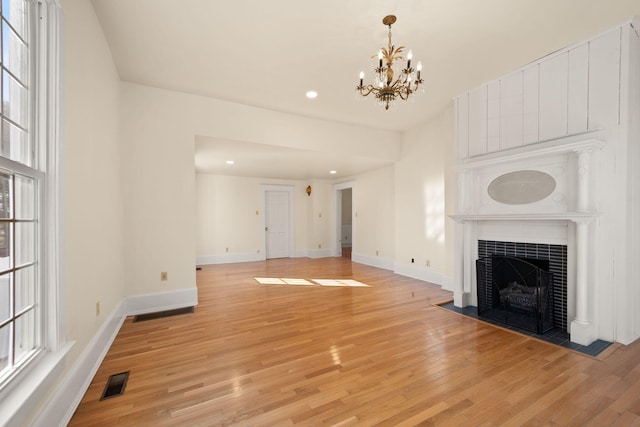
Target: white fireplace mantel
569, 160
562, 216
572, 143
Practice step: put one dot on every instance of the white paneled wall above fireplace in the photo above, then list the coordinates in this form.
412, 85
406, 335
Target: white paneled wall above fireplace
571, 91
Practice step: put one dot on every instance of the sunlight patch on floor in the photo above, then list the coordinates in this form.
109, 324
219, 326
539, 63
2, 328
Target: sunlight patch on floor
301, 282
270, 281
313, 282
340, 282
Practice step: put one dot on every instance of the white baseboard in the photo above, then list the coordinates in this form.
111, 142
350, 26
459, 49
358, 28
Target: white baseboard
251, 257
374, 261
60, 407
421, 273
447, 283
229, 258
63, 402
161, 301
319, 253
301, 253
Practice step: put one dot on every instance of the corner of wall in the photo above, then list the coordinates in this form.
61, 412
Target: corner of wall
374, 261
62, 404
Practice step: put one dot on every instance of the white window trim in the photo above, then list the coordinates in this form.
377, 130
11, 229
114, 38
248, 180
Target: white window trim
20, 398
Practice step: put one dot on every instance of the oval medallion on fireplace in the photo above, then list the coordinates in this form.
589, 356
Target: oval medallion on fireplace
521, 187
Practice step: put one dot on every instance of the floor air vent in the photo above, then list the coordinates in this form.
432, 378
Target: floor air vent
115, 385
160, 314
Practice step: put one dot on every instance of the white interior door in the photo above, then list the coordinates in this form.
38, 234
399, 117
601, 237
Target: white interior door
277, 224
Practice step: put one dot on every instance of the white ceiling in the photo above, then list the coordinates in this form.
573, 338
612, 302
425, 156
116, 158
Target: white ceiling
268, 54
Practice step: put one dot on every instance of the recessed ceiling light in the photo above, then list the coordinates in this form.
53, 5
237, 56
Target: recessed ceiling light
333, 172
230, 162
312, 94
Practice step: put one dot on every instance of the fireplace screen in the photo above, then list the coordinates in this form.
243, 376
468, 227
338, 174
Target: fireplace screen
516, 291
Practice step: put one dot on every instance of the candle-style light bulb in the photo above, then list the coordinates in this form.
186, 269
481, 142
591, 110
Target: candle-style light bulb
361, 77
380, 58
409, 56
419, 68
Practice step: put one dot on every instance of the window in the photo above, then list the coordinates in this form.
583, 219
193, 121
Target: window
25, 281
20, 306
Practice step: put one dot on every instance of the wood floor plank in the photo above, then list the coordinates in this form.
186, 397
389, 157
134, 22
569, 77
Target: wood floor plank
386, 354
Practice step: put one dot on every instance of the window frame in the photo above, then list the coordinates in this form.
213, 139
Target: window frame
22, 393
17, 169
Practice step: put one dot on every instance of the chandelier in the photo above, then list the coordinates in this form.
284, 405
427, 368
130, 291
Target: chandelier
385, 88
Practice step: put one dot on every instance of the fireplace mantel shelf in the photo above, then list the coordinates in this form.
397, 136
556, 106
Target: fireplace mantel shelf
562, 216
591, 140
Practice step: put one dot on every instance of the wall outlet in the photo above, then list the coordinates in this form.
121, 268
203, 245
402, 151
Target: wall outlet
163, 276
226, 249
412, 260
319, 245
97, 308
377, 253
428, 263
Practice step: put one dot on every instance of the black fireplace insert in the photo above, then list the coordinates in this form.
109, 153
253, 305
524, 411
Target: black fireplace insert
516, 291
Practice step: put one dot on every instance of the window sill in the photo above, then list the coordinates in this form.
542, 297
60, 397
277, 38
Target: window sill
20, 399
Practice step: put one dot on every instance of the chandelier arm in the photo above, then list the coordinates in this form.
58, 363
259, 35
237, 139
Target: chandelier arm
395, 86
367, 88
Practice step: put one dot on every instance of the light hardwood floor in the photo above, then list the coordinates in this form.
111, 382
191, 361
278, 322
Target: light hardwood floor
266, 355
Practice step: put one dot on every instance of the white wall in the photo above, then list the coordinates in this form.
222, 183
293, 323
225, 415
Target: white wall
321, 220
91, 167
374, 218
422, 228
230, 217
626, 312
226, 212
159, 193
